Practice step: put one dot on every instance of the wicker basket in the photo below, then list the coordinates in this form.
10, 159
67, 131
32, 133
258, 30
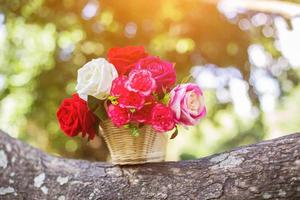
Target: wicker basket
125, 149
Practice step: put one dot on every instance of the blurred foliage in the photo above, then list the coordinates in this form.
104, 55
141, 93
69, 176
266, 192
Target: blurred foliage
43, 43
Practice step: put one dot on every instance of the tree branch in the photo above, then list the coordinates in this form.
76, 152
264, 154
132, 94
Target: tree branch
267, 170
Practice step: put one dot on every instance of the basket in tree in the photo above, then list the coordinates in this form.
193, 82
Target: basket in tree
132, 98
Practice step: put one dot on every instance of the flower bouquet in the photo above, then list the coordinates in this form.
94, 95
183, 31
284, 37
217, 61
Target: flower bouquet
131, 101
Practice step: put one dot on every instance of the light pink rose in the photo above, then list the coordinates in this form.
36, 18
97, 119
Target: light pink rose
187, 103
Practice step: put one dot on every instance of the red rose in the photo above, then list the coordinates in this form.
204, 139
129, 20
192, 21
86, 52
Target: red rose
141, 81
144, 115
162, 118
74, 117
162, 71
119, 116
125, 58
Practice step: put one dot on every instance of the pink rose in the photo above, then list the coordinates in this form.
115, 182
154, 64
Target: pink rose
141, 81
162, 118
162, 71
187, 102
119, 116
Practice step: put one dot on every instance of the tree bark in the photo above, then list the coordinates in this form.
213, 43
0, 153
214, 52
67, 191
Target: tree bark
267, 170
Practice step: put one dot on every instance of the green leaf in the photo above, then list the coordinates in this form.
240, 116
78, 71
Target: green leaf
97, 107
100, 112
174, 134
134, 131
166, 99
93, 103
126, 126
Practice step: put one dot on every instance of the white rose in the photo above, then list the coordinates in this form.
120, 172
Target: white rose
95, 79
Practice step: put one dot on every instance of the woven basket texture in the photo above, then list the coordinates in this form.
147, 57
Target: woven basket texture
125, 149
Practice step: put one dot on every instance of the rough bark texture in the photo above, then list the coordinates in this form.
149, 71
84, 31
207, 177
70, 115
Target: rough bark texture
267, 170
